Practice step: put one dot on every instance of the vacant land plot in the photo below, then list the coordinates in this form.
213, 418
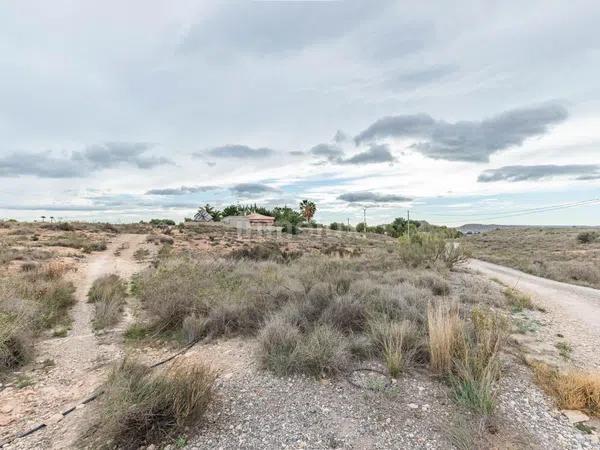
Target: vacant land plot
569, 254
315, 340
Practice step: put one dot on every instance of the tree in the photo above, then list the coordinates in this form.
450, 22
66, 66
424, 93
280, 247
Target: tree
43, 218
308, 209
214, 212
360, 227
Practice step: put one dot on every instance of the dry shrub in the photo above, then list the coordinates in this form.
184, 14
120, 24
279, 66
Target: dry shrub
346, 313
397, 342
141, 406
16, 332
108, 296
323, 351
573, 389
106, 287
433, 281
266, 251
283, 349
517, 300
55, 270
446, 331
430, 250
277, 344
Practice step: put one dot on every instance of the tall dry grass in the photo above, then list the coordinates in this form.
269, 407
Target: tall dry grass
446, 336
572, 389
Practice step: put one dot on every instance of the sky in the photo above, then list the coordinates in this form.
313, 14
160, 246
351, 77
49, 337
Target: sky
461, 111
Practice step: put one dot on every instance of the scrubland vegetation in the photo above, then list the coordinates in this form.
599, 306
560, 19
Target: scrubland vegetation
570, 254
142, 405
321, 314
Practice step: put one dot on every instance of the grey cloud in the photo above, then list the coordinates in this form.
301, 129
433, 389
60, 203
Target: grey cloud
418, 77
296, 153
372, 197
375, 154
114, 153
79, 163
251, 189
41, 164
275, 27
238, 151
467, 140
340, 136
328, 151
538, 172
181, 190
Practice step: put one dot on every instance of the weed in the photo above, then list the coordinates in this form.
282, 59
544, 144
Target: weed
564, 349
517, 300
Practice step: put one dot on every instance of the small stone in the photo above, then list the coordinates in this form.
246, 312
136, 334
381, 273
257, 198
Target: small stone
413, 406
151, 447
574, 416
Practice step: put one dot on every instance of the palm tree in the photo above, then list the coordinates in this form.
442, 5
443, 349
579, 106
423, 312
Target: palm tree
43, 218
51, 218
308, 209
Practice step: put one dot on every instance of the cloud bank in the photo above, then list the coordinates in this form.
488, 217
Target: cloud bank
467, 140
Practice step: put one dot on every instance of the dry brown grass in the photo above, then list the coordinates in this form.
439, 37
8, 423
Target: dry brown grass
572, 389
446, 332
553, 253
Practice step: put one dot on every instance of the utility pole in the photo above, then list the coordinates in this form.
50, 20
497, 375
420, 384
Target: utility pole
408, 223
365, 219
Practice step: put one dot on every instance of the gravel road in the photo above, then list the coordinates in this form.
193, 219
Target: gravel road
575, 310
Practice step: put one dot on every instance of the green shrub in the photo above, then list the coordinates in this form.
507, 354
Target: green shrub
517, 300
585, 237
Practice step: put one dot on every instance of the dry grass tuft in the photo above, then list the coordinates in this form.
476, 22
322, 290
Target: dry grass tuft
446, 332
573, 389
142, 406
397, 343
517, 300
108, 296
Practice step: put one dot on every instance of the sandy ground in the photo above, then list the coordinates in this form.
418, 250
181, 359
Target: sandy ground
79, 360
572, 312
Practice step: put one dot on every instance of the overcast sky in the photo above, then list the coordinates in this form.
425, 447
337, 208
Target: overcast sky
462, 111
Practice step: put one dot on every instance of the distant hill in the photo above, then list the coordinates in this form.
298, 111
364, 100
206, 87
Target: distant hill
481, 228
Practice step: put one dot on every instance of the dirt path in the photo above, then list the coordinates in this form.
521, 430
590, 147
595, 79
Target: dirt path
68, 369
572, 312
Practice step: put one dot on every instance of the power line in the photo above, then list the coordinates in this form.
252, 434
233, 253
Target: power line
517, 211
547, 209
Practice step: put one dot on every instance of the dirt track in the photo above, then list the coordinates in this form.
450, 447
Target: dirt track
80, 359
573, 310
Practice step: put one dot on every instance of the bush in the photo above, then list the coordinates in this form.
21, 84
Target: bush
108, 295
585, 237
323, 351
430, 250
16, 333
433, 281
277, 346
140, 406
346, 313
106, 287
